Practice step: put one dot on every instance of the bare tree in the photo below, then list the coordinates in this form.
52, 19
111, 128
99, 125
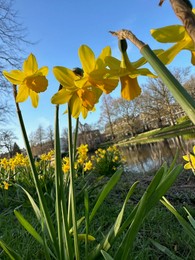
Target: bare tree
127, 111
157, 102
12, 40
107, 114
50, 136
7, 138
40, 136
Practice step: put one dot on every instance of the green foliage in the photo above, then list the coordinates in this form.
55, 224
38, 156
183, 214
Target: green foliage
107, 161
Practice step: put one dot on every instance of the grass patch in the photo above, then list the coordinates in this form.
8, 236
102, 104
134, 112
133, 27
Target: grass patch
160, 225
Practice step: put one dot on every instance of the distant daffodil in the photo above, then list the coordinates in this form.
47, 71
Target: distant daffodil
190, 158
30, 80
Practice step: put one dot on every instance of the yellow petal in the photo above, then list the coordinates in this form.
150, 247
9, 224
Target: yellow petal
75, 106
34, 98
186, 157
30, 65
100, 62
61, 97
142, 60
112, 63
65, 76
167, 56
129, 88
23, 93
87, 58
43, 71
84, 112
15, 76
105, 52
187, 166
173, 33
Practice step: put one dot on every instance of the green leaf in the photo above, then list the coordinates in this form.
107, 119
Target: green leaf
177, 90
191, 219
79, 221
107, 241
28, 227
9, 251
34, 205
107, 188
187, 227
165, 250
106, 255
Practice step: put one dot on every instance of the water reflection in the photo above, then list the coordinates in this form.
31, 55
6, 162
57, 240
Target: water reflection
145, 158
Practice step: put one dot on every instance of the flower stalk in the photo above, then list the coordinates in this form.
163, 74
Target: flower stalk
42, 201
177, 90
71, 186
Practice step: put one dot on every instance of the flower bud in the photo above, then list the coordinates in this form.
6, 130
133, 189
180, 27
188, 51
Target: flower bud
122, 44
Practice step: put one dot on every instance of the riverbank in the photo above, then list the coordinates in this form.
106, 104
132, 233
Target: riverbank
181, 129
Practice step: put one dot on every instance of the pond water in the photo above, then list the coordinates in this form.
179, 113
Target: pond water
147, 158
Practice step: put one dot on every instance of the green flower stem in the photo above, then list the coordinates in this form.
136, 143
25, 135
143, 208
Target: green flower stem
178, 91
71, 187
75, 137
61, 203
41, 197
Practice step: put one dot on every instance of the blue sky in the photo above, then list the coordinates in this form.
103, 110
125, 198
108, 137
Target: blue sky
59, 28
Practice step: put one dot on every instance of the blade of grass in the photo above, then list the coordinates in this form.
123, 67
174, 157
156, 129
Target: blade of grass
10, 252
166, 251
28, 227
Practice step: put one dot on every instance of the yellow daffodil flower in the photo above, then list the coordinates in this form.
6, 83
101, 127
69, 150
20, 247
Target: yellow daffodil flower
128, 72
80, 100
95, 71
190, 158
6, 185
30, 80
174, 34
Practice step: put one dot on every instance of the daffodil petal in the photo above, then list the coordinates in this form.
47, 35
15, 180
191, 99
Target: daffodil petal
75, 106
15, 76
43, 71
112, 63
81, 83
187, 166
105, 52
129, 88
30, 65
23, 93
100, 62
34, 98
172, 33
167, 56
65, 76
61, 97
87, 58
142, 72
186, 157
84, 112
142, 60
